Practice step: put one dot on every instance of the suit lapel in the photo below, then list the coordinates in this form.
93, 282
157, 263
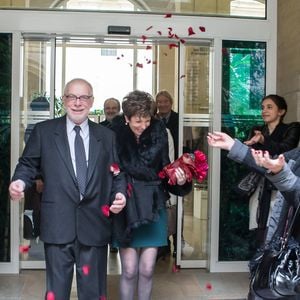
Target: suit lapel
62, 144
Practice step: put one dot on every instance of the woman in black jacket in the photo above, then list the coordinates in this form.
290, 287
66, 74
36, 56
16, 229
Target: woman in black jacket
275, 137
143, 152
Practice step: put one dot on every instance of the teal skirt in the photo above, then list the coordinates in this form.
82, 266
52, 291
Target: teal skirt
153, 234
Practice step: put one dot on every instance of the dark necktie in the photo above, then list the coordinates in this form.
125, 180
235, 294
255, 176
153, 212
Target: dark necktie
80, 159
165, 120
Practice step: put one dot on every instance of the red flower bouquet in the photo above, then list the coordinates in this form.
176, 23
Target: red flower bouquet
194, 166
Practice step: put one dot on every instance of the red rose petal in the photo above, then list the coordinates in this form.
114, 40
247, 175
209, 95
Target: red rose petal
182, 76
144, 38
191, 31
105, 210
168, 15
172, 45
182, 41
150, 27
202, 28
86, 270
159, 32
129, 189
50, 295
24, 248
154, 62
208, 286
139, 65
148, 47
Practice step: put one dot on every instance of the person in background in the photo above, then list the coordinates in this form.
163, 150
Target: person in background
142, 145
164, 102
111, 109
275, 137
80, 194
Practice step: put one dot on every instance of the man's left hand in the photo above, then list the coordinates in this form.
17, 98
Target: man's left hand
118, 204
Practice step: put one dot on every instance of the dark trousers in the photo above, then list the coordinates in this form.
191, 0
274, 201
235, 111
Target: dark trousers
91, 270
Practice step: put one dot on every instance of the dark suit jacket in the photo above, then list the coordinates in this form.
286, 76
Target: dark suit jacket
173, 125
63, 216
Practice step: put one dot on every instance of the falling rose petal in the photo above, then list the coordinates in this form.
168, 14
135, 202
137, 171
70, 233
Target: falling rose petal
118, 57
130, 64
154, 62
182, 76
86, 270
182, 41
24, 248
149, 61
202, 28
191, 31
148, 47
122, 55
208, 286
105, 210
50, 296
172, 46
150, 27
168, 15
176, 36
139, 65
144, 38
115, 169
170, 36
170, 28
159, 32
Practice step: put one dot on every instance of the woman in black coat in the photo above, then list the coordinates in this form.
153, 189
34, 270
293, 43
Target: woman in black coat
143, 152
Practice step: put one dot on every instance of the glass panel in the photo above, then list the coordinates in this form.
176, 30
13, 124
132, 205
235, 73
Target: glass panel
113, 68
196, 80
243, 87
5, 146
34, 108
240, 8
196, 122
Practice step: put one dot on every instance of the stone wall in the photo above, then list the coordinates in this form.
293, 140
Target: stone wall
288, 59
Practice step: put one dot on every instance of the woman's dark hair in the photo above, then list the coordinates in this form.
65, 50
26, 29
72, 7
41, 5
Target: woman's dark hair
137, 103
279, 102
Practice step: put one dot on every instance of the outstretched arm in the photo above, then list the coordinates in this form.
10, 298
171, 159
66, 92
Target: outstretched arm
220, 140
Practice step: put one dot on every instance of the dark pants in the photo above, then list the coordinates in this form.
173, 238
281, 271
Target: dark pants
91, 270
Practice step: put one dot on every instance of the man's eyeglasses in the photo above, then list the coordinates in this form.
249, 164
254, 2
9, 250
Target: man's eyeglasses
82, 98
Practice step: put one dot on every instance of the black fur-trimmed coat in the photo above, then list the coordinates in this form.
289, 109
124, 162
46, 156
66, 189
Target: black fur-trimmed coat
142, 161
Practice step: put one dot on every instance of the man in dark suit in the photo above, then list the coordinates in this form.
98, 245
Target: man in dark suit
111, 109
164, 103
79, 199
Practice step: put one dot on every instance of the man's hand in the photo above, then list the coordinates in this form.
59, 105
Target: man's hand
263, 159
16, 189
118, 204
220, 140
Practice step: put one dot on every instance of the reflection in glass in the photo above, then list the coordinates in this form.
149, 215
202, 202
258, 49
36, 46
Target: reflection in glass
5, 146
237, 8
243, 87
35, 107
195, 205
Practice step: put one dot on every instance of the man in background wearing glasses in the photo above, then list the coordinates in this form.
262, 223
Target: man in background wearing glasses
80, 196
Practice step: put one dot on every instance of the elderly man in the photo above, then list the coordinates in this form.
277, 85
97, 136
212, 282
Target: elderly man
81, 194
